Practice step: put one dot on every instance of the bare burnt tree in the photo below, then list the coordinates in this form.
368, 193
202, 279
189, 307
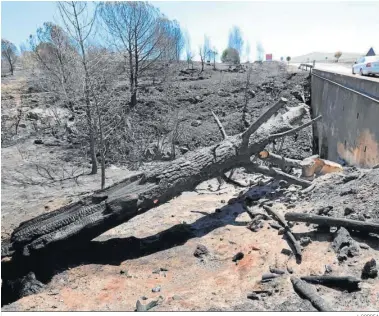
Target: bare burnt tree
167, 43
9, 54
202, 57
171, 47
137, 31
188, 49
176, 132
214, 53
204, 51
18, 120
109, 113
178, 38
79, 24
7, 123
168, 131
189, 57
56, 62
172, 42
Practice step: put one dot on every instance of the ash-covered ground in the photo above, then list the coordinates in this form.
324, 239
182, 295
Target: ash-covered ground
196, 252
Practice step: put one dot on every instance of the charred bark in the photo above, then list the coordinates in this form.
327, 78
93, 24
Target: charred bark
348, 283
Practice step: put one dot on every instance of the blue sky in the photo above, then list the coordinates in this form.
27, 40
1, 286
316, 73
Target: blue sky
284, 28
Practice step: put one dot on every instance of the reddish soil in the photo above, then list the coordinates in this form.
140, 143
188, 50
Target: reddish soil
212, 283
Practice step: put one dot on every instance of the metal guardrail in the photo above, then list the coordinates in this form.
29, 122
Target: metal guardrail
347, 88
306, 66
331, 61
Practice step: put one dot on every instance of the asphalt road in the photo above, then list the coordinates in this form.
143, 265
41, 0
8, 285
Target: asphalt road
344, 69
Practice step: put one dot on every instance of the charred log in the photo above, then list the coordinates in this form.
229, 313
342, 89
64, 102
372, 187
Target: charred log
364, 227
308, 292
348, 283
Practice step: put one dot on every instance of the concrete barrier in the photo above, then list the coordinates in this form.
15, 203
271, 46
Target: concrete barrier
349, 129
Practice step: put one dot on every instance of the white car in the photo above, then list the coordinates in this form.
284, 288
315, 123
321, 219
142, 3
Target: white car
368, 65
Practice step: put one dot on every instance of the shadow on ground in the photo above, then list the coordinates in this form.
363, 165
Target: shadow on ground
110, 252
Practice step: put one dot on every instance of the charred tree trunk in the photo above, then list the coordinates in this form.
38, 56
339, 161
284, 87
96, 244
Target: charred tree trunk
102, 145
133, 99
92, 147
11, 68
136, 70
92, 216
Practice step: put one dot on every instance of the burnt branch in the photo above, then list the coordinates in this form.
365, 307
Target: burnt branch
279, 160
221, 128
262, 119
276, 173
232, 181
295, 244
296, 129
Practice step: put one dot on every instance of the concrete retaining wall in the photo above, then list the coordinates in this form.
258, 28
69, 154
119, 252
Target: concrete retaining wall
349, 129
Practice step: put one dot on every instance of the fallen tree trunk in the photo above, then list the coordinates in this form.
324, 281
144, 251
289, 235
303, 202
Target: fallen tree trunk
82, 221
348, 283
308, 292
361, 226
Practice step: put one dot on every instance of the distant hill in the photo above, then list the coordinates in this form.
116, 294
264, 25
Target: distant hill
319, 56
